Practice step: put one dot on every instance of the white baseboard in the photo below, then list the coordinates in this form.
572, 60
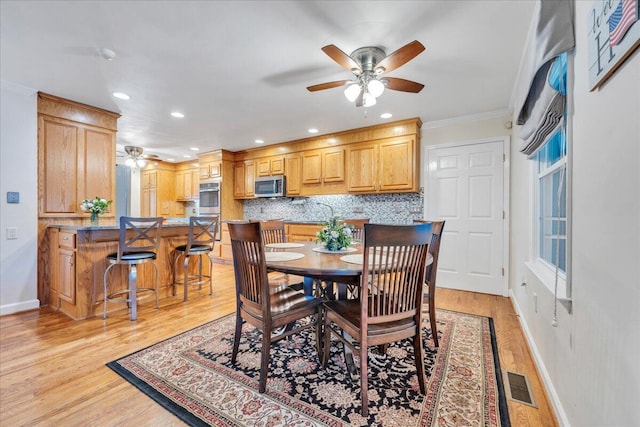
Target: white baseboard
542, 370
19, 306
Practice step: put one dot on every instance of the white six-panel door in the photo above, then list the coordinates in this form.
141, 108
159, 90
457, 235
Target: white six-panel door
466, 188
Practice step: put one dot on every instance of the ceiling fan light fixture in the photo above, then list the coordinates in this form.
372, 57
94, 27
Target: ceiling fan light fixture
135, 159
375, 87
352, 91
368, 100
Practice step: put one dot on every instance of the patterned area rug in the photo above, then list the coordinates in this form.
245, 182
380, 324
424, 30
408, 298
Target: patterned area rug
192, 376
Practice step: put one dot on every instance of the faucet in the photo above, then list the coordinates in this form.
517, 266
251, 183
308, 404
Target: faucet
329, 206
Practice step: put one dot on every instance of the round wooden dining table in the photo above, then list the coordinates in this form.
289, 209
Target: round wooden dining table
326, 274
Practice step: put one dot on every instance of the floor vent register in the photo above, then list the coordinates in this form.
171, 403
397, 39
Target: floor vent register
518, 388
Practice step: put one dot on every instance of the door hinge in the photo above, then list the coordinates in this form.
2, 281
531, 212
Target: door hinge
504, 158
502, 271
503, 215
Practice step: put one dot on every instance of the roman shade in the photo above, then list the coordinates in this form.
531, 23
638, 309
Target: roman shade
541, 112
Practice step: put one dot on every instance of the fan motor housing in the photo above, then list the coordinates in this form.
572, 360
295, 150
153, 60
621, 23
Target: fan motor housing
368, 57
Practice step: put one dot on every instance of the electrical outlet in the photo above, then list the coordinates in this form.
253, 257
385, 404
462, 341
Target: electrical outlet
415, 210
358, 209
398, 209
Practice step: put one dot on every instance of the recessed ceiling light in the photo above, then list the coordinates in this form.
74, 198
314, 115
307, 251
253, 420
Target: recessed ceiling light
187, 156
386, 115
171, 160
194, 149
177, 114
313, 130
121, 95
259, 141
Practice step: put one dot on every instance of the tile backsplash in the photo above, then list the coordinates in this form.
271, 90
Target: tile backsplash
397, 208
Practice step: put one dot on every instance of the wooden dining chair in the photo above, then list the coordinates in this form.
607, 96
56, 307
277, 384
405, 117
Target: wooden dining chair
267, 308
432, 270
273, 231
358, 227
390, 305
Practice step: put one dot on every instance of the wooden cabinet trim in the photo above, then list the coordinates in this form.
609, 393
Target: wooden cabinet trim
59, 107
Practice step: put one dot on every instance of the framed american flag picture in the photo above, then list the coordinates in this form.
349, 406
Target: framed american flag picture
614, 33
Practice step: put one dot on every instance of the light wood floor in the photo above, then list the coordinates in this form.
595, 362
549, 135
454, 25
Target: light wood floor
53, 373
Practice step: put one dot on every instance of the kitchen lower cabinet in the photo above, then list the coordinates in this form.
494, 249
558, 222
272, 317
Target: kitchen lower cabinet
299, 232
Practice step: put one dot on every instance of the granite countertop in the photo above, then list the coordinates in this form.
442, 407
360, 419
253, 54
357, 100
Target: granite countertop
109, 224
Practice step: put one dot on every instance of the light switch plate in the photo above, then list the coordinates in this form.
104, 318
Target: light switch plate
13, 197
12, 233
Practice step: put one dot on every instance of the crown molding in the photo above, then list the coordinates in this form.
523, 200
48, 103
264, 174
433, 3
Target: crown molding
470, 118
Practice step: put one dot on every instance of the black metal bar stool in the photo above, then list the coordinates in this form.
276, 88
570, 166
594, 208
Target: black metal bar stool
202, 237
139, 241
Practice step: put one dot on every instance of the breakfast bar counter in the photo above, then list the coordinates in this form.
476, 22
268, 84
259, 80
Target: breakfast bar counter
75, 262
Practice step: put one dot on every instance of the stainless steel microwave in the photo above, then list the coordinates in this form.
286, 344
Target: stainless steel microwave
270, 186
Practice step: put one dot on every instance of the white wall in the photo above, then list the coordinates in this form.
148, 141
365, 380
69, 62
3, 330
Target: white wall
18, 161
590, 360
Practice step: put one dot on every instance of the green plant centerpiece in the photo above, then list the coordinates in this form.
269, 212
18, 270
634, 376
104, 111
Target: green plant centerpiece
96, 207
335, 234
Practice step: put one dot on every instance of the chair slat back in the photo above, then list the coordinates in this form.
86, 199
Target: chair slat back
249, 263
139, 234
272, 231
358, 227
202, 231
392, 284
434, 247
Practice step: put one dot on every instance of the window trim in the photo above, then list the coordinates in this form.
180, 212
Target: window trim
542, 270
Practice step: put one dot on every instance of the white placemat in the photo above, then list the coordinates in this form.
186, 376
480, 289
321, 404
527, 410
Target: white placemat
353, 259
282, 256
327, 251
284, 245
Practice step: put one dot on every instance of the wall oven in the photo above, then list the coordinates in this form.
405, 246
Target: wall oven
209, 197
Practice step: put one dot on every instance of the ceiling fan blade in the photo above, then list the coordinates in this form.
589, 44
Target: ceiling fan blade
400, 57
327, 85
344, 60
403, 85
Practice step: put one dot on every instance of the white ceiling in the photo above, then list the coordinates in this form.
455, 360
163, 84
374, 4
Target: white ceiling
238, 70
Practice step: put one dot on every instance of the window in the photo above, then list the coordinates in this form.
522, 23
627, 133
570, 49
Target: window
551, 186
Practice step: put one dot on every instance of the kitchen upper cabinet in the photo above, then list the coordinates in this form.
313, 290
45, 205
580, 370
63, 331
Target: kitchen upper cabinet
384, 166
269, 166
323, 171
76, 159
210, 170
293, 165
244, 179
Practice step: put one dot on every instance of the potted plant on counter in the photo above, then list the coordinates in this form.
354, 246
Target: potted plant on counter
96, 207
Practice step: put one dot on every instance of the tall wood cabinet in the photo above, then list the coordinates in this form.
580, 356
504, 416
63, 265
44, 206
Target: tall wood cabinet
157, 188
76, 156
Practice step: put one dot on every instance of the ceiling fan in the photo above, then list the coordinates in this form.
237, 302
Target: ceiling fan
134, 156
368, 64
